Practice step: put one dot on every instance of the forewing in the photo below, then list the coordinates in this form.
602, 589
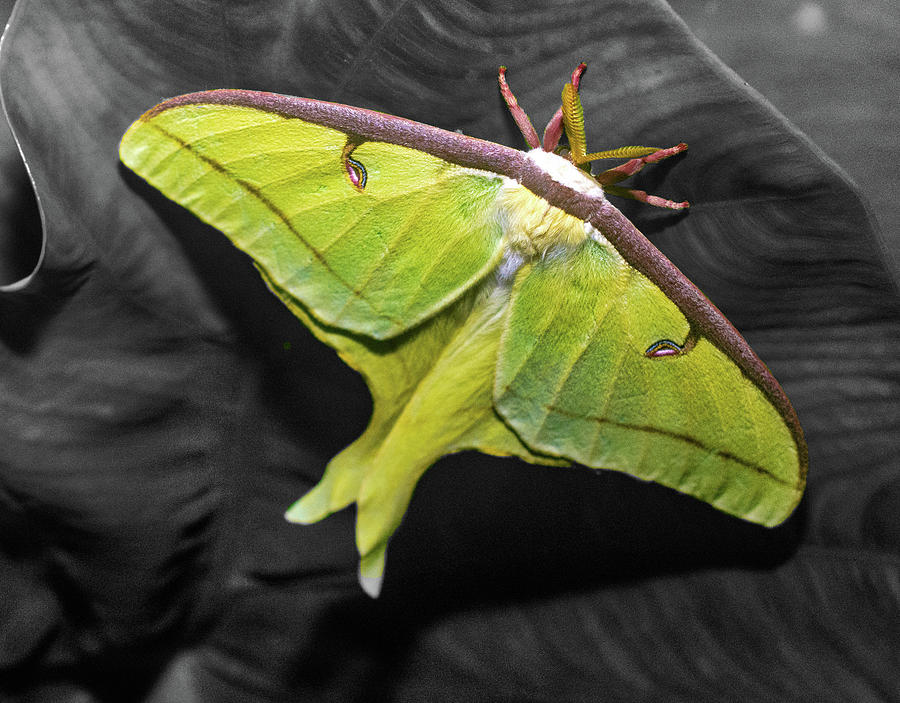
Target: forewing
375, 259
573, 380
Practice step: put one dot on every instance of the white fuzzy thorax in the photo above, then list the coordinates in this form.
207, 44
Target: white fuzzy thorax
565, 172
535, 228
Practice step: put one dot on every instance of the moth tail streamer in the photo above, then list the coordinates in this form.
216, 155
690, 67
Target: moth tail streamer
371, 571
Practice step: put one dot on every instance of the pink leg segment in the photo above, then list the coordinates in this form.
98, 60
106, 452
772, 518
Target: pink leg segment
525, 126
642, 197
629, 168
553, 131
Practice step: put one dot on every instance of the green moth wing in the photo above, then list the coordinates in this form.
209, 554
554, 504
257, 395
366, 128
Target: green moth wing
432, 393
492, 299
577, 377
375, 259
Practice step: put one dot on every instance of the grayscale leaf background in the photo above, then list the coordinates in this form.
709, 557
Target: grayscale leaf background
159, 409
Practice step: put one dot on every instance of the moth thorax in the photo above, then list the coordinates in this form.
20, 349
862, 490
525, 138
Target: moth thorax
565, 172
534, 226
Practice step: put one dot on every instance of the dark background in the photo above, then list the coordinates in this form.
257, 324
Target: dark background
153, 427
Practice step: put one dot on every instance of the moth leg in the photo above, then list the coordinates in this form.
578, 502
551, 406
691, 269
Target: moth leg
522, 120
643, 197
629, 168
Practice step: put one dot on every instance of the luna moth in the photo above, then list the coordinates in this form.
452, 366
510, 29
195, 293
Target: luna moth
492, 298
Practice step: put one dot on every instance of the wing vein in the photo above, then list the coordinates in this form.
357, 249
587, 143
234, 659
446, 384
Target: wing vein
274, 209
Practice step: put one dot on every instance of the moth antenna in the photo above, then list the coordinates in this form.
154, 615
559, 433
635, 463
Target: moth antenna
622, 152
554, 129
525, 127
573, 120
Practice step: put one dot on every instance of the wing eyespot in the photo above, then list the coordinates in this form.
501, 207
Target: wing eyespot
664, 348
356, 172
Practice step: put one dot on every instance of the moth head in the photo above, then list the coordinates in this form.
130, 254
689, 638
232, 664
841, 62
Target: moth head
569, 121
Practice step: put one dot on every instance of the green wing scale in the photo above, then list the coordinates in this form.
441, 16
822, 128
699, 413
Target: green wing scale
492, 299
